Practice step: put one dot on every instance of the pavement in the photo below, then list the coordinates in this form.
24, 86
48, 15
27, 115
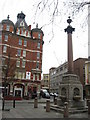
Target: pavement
25, 109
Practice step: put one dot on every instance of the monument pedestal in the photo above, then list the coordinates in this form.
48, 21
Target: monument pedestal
71, 91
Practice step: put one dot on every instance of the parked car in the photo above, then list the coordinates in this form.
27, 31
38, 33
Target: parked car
44, 93
34, 94
55, 94
51, 94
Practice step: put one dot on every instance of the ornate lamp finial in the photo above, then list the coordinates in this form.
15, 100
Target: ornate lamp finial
8, 17
69, 20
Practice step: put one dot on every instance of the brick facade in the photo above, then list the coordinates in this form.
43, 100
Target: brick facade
22, 48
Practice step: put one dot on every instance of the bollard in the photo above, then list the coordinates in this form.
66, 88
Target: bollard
55, 101
89, 107
13, 103
66, 111
47, 105
35, 103
3, 103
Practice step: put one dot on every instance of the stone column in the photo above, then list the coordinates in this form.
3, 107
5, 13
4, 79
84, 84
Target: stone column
69, 31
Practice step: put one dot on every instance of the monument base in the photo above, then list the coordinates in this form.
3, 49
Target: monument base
71, 91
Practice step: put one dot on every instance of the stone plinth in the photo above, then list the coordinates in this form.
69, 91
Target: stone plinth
71, 91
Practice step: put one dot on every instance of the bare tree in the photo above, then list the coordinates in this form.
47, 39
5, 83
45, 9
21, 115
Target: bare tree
59, 8
8, 71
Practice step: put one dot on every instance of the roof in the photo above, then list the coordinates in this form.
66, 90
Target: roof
37, 30
8, 22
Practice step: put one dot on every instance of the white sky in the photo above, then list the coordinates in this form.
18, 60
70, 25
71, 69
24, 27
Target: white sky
55, 51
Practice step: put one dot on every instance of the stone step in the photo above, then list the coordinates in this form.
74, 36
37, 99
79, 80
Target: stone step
71, 110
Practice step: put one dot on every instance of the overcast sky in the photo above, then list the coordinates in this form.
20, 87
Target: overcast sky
55, 50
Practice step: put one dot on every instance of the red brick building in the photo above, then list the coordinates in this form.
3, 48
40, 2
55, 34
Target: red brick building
22, 49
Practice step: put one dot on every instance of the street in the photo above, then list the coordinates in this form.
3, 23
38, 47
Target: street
25, 109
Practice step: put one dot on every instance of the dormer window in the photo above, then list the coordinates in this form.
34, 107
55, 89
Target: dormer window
8, 27
22, 24
39, 35
6, 38
28, 34
18, 31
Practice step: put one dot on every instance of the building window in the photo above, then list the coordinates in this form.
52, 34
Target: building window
0, 36
22, 32
18, 52
25, 33
38, 46
19, 75
23, 75
28, 34
89, 68
24, 53
38, 55
25, 43
1, 26
18, 31
3, 61
4, 49
20, 42
37, 76
18, 63
37, 65
6, 38
39, 35
23, 64
61, 68
8, 27
16, 75
33, 76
